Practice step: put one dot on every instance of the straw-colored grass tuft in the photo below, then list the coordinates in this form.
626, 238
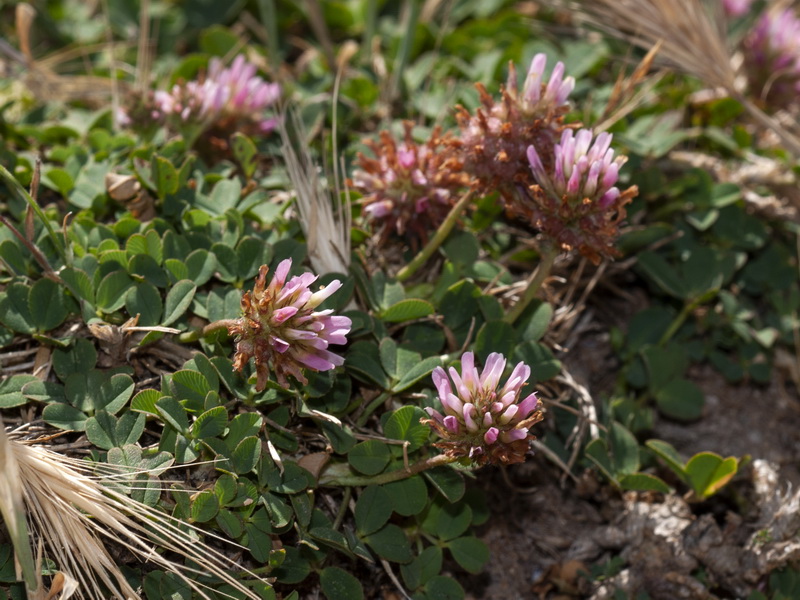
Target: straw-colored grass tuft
327, 230
72, 514
691, 33
693, 38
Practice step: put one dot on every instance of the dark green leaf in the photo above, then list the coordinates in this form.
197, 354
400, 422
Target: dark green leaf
173, 413
391, 543
78, 283
200, 266
494, 336
295, 567
369, 457
597, 452
48, 305
178, 300
408, 496
373, 509
404, 424
451, 520
540, 359
114, 393
112, 291
669, 455
420, 370
245, 152
363, 362
205, 506
535, 321
165, 176
246, 455
643, 482
681, 399
64, 416
425, 566
210, 424
338, 584
625, 450
190, 387
407, 310
15, 310
444, 588
448, 481
144, 300
470, 552
662, 274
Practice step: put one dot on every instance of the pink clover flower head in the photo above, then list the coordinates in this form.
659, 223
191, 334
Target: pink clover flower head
538, 95
408, 188
583, 170
282, 329
484, 418
772, 58
736, 8
226, 97
576, 202
495, 136
236, 91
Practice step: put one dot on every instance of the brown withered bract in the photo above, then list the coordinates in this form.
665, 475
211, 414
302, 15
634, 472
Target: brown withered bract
409, 188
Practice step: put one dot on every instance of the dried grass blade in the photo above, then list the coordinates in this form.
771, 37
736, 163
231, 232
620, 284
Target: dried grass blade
12, 509
72, 513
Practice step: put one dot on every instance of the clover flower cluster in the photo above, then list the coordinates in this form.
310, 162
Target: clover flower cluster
407, 188
566, 189
282, 329
576, 203
772, 57
495, 139
226, 97
483, 420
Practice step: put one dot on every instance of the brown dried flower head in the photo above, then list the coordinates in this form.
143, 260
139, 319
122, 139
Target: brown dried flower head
408, 188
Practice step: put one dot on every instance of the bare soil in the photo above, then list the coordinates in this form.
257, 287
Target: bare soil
547, 532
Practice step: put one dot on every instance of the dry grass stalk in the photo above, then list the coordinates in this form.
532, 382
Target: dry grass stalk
693, 38
629, 92
72, 513
42, 80
327, 231
12, 509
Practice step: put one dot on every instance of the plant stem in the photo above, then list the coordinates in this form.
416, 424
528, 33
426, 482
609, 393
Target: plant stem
269, 18
362, 419
412, 10
437, 240
342, 509
196, 334
341, 474
369, 30
542, 271
15, 188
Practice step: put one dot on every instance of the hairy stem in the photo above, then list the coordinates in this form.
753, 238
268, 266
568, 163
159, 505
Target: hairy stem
437, 240
196, 334
341, 474
535, 283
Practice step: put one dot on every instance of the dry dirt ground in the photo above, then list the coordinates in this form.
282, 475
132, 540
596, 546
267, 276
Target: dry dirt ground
547, 531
